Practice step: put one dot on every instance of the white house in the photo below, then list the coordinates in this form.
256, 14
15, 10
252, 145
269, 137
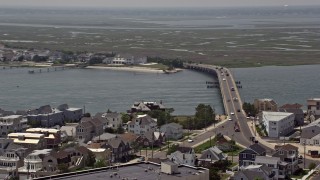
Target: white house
183, 155
172, 130
113, 120
129, 60
278, 123
33, 162
141, 124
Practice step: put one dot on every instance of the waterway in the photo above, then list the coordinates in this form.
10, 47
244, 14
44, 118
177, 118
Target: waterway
99, 90
284, 84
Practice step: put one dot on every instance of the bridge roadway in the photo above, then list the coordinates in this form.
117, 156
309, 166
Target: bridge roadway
233, 108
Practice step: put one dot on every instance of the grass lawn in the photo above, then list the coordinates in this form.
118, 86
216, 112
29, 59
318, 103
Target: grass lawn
224, 176
204, 146
235, 152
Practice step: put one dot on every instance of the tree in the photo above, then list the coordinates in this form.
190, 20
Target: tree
163, 117
172, 149
249, 109
312, 165
204, 116
214, 174
125, 118
90, 161
100, 163
120, 130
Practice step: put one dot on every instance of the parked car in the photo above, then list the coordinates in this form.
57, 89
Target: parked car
190, 140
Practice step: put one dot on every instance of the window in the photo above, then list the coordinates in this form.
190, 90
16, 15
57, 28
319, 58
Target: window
253, 156
281, 152
244, 155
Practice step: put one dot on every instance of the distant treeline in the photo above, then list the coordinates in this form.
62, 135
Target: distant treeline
175, 63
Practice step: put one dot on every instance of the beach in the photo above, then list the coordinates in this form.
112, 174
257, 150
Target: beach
132, 69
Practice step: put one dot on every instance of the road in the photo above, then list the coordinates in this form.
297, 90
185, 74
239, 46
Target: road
233, 108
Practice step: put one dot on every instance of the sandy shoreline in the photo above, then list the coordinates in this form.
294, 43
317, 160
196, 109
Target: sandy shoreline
132, 69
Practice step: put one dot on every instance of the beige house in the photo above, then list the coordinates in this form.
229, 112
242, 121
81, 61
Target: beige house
313, 105
265, 105
29, 140
12, 123
88, 128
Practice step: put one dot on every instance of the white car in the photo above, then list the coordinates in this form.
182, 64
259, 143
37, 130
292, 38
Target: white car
224, 79
190, 140
232, 113
229, 119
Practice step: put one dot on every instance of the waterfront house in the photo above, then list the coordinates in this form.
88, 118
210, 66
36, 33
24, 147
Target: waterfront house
12, 123
265, 105
125, 59
211, 155
45, 116
70, 114
248, 155
183, 156
172, 131
277, 123
288, 154
147, 106
310, 134
296, 110
313, 105
142, 124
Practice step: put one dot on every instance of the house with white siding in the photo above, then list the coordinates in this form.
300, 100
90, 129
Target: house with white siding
142, 124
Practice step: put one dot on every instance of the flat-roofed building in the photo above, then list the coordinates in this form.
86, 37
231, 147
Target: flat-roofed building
52, 136
12, 123
278, 123
32, 141
142, 170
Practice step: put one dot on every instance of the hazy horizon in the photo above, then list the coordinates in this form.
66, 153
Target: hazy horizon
155, 3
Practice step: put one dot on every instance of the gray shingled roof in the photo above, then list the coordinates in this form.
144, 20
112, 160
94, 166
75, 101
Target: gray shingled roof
310, 132
257, 148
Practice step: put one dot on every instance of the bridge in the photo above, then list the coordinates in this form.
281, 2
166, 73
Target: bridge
232, 104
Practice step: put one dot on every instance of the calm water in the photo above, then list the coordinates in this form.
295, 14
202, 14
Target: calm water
292, 84
99, 90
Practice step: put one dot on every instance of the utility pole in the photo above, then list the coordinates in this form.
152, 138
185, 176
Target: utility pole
304, 154
232, 149
152, 145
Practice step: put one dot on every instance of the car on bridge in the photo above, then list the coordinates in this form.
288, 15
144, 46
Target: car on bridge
232, 88
230, 119
232, 113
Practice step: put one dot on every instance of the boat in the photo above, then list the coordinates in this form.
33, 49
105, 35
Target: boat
31, 71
